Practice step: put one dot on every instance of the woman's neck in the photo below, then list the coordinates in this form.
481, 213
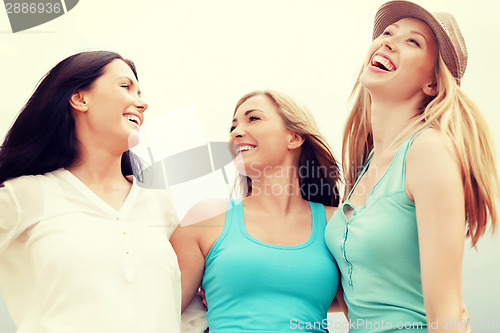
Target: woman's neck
277, 190
388, 120
100, 168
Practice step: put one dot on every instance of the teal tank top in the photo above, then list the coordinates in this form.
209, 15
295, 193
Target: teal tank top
378, 256
252, 286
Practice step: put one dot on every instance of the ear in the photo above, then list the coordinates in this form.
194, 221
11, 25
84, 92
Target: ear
296, 140
77, 102
430, 89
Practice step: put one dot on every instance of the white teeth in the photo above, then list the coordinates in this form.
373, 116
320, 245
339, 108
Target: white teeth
384, 62
244, 148
132, 118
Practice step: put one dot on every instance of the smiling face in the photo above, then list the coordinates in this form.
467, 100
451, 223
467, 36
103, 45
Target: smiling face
402, 61
259, 136
111, 110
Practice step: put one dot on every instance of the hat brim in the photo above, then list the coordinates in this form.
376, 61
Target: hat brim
393, 11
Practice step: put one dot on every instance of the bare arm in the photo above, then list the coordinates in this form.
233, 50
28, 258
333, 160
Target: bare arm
193, 239
434, 182
191, 261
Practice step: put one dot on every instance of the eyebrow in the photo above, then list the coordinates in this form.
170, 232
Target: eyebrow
418, 33
131, 82
412, 31
247, 112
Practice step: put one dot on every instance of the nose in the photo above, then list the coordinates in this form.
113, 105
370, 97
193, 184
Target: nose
387, 42
141, 105
237, 132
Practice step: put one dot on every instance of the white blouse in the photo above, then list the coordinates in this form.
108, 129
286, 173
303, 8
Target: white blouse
69, 262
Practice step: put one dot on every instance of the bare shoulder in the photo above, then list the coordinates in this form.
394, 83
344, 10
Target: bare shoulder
206, 211
329, 210
431, 161
202, 224
430, 149
430, 144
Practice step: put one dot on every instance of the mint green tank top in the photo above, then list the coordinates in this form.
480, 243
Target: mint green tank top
378, 256
253, 286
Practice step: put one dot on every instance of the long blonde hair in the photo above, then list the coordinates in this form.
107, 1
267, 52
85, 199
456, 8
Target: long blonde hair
460, 121
315, 152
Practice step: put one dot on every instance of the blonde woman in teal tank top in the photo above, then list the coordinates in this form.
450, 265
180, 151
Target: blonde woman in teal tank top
263, 261
420, 178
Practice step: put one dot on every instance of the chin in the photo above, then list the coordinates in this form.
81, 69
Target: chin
247, 167
374, 86
365, 80
133, 139
240, 165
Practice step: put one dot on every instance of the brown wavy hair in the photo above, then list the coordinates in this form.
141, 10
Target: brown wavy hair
315, 151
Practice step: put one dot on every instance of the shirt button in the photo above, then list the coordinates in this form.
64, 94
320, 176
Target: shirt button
124, 233
350, 270
118, 219
350, 283
126, 252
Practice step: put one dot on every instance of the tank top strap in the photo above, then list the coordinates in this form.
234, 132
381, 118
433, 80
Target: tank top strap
409, 141
318, 216
360, 176
231, 229
393, 180
234, 216
398, 162
405, 146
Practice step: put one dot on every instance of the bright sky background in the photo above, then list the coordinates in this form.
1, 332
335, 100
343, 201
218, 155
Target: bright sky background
198, 57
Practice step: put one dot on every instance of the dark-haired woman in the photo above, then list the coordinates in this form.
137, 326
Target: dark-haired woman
82, 247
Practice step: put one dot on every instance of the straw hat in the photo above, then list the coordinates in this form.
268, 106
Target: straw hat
450, 40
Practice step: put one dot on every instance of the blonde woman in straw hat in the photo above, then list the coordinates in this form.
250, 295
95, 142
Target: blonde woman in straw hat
263, 261
420, 177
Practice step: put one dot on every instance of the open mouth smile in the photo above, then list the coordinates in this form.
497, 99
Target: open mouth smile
133, 119
243, 148
382, 63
